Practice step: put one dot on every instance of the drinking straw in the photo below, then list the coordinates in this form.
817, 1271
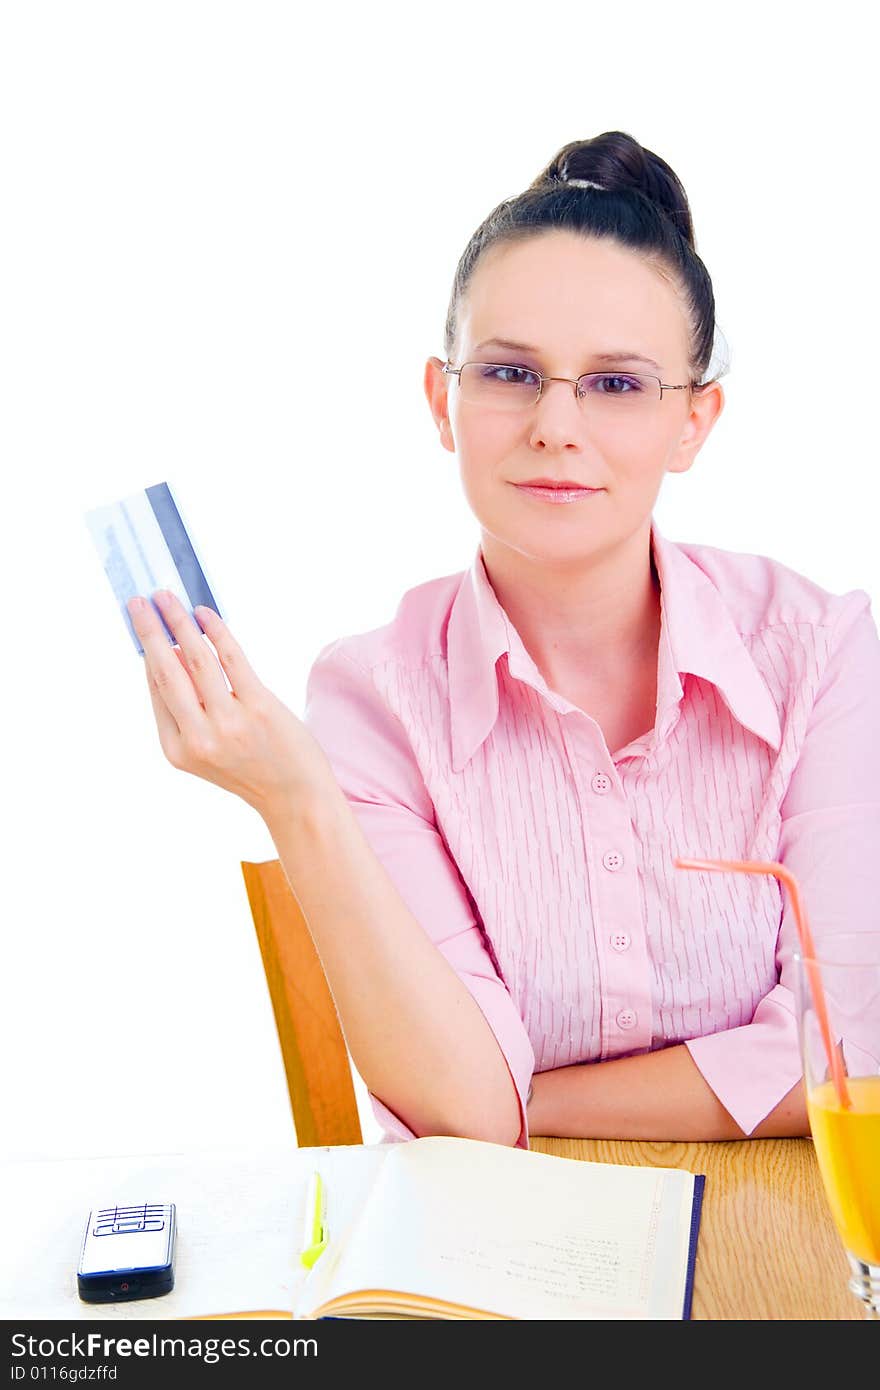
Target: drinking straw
779, 871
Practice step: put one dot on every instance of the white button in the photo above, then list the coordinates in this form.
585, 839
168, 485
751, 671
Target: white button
620, 940
613, 860
627, 1018
601, 783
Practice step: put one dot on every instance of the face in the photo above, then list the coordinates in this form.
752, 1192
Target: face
570, 300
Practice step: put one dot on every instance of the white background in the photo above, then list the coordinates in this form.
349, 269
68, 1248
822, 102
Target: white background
228, 238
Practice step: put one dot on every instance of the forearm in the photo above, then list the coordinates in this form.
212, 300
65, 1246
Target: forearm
655, 1095
417, 1036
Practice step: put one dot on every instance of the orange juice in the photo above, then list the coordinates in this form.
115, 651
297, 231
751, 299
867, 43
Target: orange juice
847, 1146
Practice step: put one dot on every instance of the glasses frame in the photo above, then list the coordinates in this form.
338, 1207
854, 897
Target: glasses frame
449, 370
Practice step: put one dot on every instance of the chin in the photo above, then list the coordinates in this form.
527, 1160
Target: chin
543, 548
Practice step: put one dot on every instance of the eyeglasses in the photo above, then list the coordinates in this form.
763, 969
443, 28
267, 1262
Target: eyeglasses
606, 395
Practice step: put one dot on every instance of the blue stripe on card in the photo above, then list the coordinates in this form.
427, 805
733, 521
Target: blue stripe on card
180, 546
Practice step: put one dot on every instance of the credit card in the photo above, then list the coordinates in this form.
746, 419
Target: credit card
144, 545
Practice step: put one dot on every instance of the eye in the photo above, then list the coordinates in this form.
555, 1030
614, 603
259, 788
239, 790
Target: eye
515, 376
608, 385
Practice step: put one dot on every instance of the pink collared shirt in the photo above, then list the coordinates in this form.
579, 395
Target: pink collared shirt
540, 862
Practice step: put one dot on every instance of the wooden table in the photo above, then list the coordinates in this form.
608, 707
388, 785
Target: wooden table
767, 1248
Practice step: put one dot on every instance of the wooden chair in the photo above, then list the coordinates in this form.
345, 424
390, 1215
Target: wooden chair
316, 1059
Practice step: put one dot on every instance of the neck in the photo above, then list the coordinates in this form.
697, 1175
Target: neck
594, 622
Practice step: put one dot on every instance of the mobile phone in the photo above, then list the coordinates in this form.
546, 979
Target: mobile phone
127, 1252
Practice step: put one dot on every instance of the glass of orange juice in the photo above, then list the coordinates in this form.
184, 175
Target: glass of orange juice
844, 1108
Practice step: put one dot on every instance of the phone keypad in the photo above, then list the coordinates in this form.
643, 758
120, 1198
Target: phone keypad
117, 1221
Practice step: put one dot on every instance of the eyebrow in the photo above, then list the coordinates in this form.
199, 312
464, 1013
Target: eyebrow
599, 356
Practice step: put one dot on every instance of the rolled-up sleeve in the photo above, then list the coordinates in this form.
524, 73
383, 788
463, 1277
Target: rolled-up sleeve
372, 759
830, 841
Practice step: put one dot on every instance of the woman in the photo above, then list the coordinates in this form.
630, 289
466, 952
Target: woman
480, 812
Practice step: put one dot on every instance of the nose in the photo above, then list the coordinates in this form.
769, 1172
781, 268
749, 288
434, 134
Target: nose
559, 415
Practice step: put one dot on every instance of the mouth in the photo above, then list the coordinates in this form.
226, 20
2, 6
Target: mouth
557, 484
550, 490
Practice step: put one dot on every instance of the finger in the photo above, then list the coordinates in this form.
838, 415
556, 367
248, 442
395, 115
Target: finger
169, 734
242, 676
167, 674
200, 662
182, 659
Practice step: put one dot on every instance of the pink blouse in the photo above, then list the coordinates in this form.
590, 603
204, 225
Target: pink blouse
540, 862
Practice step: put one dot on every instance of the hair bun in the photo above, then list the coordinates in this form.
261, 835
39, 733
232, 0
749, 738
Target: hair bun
614, 162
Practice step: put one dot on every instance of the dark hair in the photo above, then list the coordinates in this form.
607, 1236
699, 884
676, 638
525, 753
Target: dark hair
640, 204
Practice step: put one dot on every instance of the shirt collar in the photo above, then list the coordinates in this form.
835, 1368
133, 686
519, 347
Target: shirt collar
698, 635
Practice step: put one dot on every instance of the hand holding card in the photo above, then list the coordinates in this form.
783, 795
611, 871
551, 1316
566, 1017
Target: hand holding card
215, 717
242, 739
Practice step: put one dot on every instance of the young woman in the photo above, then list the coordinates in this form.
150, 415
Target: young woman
480, 812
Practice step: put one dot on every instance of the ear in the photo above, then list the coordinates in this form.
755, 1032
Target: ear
706, 406
436, 384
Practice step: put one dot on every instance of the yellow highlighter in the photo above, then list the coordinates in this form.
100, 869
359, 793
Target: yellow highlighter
315, 1231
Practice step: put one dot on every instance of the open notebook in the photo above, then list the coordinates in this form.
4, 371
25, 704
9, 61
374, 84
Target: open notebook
457, 1228
431, 1227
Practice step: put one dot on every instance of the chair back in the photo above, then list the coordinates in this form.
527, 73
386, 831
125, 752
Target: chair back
316, 1060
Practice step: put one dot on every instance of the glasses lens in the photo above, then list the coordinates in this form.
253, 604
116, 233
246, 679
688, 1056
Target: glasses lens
617, 394
498, 387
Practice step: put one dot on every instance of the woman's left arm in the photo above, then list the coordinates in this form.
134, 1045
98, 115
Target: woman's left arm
747, 1081
656, 1095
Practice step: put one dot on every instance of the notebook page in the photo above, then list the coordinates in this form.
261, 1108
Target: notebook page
240, 1216
239, 1221
523, 1234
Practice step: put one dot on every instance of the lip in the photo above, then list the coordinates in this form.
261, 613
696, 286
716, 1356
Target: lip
568, 493
556, 484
